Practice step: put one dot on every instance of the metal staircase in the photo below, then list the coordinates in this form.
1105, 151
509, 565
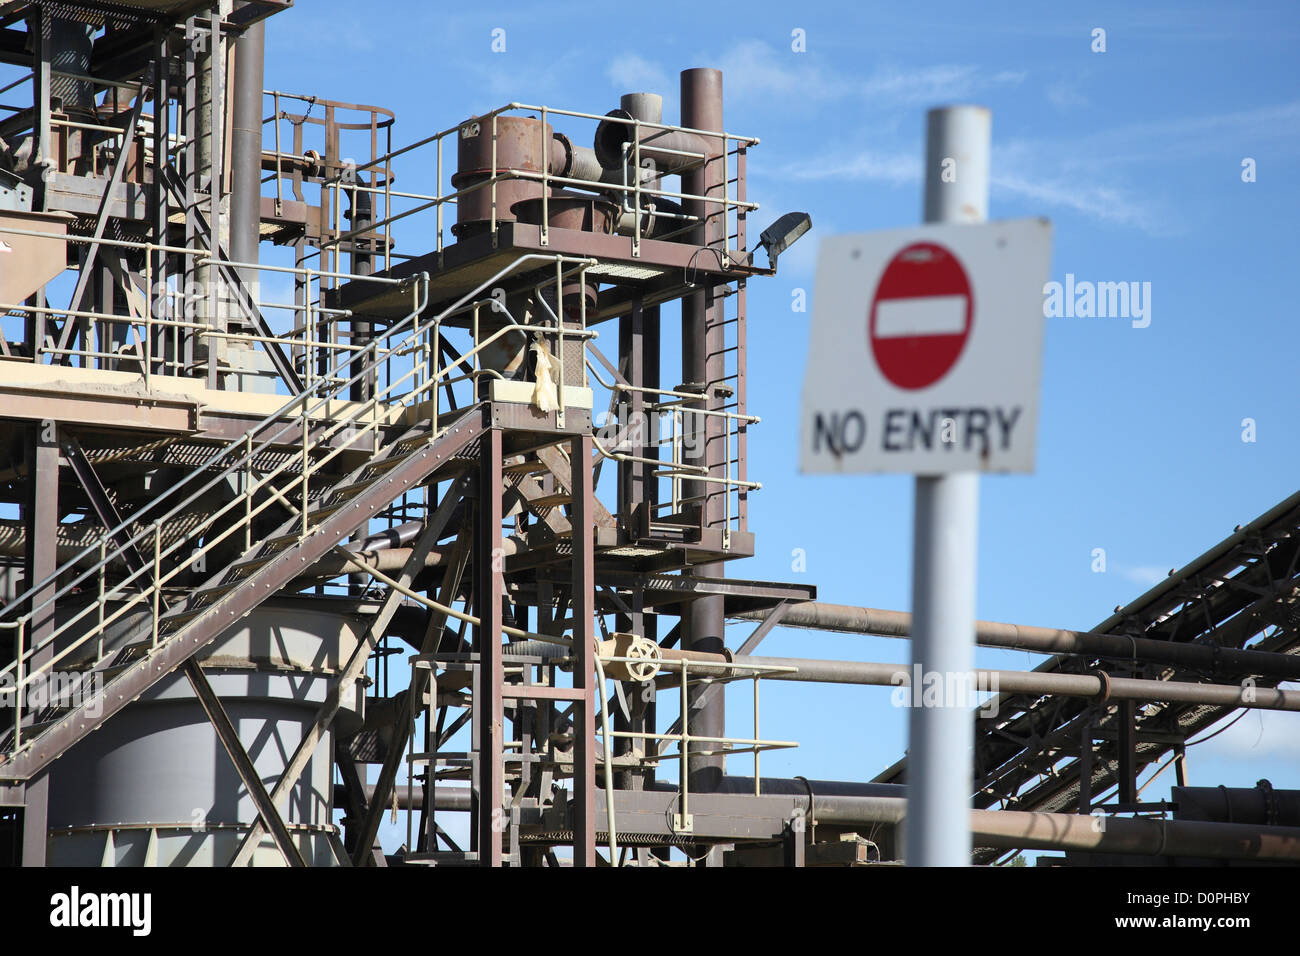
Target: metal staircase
156, 646
127, 630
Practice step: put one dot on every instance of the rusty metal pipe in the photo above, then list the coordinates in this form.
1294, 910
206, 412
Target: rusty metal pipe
246, 148
572, 161
455, 799
1039, 683
1022, 830
845, 619
671, 151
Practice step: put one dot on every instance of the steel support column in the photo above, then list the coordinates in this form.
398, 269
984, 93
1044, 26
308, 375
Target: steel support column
583, 604
1127, 718
489, 714
42, 517
634, 479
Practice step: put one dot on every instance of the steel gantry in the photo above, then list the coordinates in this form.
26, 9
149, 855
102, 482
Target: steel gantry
300, 559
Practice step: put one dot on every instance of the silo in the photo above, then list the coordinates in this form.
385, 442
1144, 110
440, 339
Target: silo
154, 786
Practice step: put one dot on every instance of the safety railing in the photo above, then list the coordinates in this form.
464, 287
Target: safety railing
320, 422
106, 139
312, 141
177, 328
642, 669
640, 198
684, 419
702, 745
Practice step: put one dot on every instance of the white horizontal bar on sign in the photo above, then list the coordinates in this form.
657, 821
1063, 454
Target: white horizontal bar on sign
924, 315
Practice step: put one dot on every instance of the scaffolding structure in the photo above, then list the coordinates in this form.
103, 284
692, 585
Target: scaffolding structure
258, 405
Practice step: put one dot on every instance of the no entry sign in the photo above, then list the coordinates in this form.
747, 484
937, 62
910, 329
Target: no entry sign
926, 350
920, 315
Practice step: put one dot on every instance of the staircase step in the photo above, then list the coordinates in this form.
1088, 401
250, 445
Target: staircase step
525, 468
317, 515
551, 501
383, 464
411, 441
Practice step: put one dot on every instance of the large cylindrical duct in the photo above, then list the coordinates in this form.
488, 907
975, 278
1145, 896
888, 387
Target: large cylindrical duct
573, 161
155, 787
669, 150
1260, 804
521, 143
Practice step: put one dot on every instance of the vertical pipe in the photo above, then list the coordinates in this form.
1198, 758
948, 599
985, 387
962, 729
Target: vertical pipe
640, 357
207, 107
246, 148
362, 262
42, 93
943, 559
633, 509
157, 258
702, 360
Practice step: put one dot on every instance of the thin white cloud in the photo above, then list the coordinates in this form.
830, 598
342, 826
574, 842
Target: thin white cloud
1064, 96
1104, 203
753, 68
1095, 200
932, 84
870, 165
633, 73
1276, 127
1146, 575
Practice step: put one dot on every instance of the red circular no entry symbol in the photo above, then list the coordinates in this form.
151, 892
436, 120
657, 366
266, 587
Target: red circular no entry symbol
921, 315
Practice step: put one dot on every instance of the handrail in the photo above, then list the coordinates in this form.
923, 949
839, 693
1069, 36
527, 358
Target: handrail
302, 400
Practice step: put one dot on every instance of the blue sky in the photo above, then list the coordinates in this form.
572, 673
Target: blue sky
1136, 156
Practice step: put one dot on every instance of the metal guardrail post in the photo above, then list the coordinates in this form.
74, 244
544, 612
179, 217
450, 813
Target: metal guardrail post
757, 736
103, 562
683, 823
544, 237
20, 649
157, 582
248, 492
306, 470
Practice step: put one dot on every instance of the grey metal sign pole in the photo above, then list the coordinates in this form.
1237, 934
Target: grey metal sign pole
943, 561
